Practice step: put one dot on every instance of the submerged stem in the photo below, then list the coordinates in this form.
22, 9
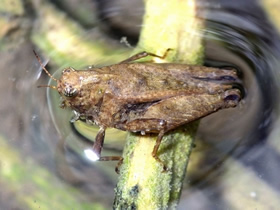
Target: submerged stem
142, 182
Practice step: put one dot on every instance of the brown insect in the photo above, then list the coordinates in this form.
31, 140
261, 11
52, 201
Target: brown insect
145, 97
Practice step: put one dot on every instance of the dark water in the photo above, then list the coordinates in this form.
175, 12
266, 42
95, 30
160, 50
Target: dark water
236, 161
239, 33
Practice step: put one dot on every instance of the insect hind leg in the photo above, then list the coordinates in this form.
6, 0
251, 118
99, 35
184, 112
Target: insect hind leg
155, 150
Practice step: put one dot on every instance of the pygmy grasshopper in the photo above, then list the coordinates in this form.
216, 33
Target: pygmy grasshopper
145, 97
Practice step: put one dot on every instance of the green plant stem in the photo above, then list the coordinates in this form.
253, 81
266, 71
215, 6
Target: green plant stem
271, 7
142, 182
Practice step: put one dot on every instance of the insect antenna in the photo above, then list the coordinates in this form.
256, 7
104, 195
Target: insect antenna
43, 67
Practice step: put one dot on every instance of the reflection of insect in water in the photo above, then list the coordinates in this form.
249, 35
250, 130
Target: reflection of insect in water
144, 97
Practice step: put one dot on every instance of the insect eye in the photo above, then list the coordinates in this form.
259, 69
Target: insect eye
69, 69
70, 92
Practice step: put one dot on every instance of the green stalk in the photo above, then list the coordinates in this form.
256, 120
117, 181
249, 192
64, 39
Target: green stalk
142, 182
271, 8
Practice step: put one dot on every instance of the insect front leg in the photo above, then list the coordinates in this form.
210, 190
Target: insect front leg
145, 54
99, 140
97, 148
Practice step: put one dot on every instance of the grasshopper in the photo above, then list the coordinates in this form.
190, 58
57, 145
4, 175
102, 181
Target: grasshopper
145, 97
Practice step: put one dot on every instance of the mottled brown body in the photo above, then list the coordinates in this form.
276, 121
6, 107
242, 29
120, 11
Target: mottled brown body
146, 97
